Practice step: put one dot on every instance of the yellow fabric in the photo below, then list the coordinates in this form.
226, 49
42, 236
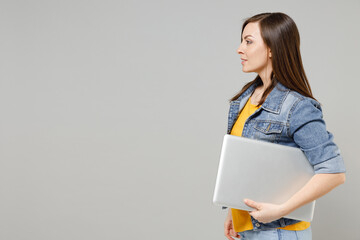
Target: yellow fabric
241, 219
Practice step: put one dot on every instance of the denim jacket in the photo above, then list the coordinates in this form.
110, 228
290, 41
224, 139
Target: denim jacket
289, 118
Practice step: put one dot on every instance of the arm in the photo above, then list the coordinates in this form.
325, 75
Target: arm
307, 129
319, 185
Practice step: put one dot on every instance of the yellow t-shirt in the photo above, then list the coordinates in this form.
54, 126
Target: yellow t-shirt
241, 218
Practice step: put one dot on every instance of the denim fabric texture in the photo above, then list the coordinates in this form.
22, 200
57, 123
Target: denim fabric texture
277, 234
289, 118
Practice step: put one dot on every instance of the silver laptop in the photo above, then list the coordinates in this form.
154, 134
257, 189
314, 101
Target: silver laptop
263, 172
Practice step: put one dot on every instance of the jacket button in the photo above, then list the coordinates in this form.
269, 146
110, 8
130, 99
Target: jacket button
257, 224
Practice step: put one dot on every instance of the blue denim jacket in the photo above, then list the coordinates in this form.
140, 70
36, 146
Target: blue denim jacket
289, 118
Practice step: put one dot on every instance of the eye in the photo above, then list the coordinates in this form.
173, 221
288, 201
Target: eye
248, 42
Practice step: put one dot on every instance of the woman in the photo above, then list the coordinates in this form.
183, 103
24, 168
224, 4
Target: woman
278, 106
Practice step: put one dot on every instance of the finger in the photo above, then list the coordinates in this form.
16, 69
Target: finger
252, 204
255, 214
258, 217
227, 233
228, 237
234, 234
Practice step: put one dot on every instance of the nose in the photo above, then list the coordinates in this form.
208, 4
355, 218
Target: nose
240, 49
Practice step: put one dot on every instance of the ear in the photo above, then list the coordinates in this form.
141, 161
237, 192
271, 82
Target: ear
270, 53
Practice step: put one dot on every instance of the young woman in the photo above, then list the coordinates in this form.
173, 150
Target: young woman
278, 106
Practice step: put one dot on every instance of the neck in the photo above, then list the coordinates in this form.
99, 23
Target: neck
265, 85
266, 81
265, 75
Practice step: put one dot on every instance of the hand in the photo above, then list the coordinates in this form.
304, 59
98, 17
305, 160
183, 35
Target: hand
228, 226
265, 212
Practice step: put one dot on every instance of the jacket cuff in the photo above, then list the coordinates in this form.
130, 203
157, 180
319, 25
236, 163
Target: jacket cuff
333, 165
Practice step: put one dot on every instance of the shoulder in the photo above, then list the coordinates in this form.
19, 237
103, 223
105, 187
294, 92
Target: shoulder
304, 110
302, 102
297, 108
296, 100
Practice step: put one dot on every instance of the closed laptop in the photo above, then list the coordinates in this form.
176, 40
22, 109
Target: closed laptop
263, 172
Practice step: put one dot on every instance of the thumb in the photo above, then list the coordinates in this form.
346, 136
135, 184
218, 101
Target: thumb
252, 204
254, 214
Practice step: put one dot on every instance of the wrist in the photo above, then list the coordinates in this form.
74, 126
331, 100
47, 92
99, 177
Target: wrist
285, 209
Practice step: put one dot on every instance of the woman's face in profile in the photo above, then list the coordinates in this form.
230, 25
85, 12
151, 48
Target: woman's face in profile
253, 50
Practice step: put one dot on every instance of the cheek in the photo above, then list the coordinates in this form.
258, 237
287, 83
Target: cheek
259, 56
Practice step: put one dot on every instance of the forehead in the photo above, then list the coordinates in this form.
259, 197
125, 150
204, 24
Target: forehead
252, 29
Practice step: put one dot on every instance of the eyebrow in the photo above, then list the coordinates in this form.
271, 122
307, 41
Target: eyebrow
247, 36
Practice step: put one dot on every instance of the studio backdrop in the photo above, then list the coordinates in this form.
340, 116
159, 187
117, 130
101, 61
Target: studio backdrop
112, 113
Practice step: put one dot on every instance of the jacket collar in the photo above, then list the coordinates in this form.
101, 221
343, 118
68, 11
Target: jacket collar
273, 101
276, 98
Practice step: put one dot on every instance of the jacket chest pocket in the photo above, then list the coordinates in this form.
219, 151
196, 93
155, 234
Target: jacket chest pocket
268, 130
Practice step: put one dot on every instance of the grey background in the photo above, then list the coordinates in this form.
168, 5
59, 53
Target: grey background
113, 113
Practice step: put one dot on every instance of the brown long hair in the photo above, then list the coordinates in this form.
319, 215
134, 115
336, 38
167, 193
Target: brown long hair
281, 35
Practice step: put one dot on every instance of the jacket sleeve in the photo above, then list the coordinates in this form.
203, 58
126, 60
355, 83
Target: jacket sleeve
308, 130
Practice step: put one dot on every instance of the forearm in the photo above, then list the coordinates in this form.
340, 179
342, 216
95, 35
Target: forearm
319, 185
